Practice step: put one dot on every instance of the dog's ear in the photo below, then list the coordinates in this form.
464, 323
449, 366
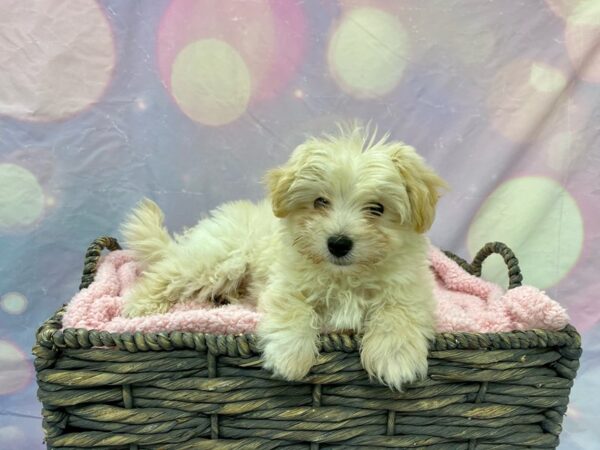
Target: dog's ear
423, 186
279, 182
287, 184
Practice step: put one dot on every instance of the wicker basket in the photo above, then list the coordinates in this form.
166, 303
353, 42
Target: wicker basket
195, 391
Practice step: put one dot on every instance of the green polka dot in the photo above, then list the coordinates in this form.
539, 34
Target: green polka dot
21, 197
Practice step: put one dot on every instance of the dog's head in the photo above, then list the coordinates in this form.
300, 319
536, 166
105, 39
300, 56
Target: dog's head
351, 200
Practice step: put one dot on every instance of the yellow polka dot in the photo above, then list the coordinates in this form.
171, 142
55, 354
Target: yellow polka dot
585, 12
521, 95
210, 82
546, 79
16, 370
574, 413
21, 197
141, 104
13, 303
539, 220
562, 8
581, 39
368, 52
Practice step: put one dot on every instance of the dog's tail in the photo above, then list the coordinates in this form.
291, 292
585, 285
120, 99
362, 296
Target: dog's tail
145, 234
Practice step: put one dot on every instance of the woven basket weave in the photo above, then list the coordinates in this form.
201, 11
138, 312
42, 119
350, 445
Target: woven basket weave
181, 391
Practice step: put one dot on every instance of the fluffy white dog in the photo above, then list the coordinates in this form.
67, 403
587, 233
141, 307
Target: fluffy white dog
339, 245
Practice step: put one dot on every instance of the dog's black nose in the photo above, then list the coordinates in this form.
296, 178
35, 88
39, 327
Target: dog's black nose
339, 245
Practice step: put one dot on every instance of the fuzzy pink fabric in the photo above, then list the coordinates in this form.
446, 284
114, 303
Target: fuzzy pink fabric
465, 303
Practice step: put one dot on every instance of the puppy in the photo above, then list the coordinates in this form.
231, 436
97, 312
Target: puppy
338, 245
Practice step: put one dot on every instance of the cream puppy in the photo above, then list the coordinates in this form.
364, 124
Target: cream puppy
338, 245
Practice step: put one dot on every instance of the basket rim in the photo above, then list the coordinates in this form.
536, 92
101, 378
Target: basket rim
51, 335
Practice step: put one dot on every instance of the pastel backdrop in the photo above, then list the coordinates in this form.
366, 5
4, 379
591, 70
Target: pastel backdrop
188, 102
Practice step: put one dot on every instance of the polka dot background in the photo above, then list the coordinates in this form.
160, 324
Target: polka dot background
190, 101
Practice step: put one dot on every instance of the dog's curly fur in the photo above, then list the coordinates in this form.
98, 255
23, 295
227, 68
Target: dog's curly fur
378, 194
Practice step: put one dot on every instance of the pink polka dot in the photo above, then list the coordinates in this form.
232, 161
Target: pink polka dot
17, 370
57, 57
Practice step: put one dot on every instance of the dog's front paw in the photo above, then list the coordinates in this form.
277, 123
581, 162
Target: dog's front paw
289, 359
394, 361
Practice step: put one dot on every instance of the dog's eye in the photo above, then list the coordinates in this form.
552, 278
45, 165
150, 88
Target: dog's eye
321, 203
375, 209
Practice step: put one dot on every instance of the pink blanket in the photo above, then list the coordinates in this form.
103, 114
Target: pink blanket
465, 303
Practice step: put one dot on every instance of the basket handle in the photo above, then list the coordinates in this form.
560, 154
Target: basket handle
92, 255
512, 263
